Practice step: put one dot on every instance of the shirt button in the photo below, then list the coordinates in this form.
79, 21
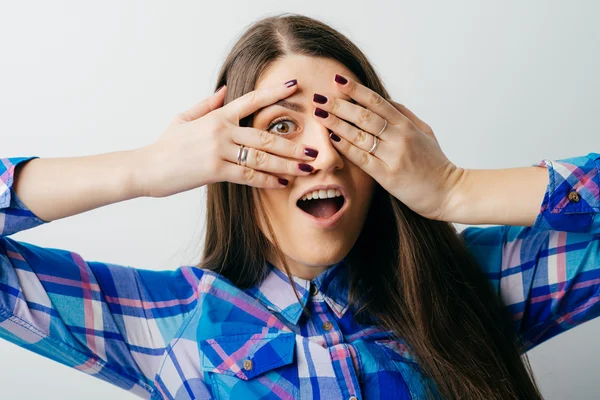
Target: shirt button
353, 398
327, 325
313, 289
248, 365
574, 197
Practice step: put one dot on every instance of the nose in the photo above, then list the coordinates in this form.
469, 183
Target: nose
328, 160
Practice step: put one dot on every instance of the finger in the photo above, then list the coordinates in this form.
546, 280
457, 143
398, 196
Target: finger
205, 106
356, 136
270, 142
265, 162
247, 176
257, 99
369, 99
420, 124
365, 119
371, 164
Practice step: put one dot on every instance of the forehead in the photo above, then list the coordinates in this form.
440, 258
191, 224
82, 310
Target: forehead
311, 72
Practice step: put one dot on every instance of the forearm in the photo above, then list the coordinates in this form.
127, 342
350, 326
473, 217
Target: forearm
510, 196
54, 188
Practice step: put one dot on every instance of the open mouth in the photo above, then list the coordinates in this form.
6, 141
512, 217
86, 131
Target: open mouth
322, 204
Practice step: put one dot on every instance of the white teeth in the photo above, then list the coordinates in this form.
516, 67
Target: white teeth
322, 194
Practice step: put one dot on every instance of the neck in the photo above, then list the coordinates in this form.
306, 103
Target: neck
308, 272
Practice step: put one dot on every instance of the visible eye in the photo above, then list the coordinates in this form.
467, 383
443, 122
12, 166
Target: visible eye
283, 126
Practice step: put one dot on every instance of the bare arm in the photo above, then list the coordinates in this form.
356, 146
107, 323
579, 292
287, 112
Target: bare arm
54, 188
511, 196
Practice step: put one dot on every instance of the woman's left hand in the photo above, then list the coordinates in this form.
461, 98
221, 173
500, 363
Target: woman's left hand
408, 161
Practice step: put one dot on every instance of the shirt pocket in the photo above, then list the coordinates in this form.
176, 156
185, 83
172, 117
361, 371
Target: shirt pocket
248, 366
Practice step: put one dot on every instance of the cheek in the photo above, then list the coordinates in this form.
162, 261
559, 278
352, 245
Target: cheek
364, 184
275, 201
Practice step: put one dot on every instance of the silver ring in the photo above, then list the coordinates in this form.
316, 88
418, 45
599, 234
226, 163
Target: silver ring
385, 123
239, 157
375, 144
244, 156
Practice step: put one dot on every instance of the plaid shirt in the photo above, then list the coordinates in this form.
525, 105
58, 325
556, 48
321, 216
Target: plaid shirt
190, 333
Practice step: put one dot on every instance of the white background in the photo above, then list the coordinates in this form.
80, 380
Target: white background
503, 84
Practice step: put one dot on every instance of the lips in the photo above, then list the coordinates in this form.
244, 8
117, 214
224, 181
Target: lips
322, 202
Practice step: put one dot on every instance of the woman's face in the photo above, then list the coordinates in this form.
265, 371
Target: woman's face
313, 234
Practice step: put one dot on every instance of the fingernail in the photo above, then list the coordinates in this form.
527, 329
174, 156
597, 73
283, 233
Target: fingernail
291, 83
340, 79
305, 167
321, 113
334, 137
311, 152
219, 89
317, 98
284, 182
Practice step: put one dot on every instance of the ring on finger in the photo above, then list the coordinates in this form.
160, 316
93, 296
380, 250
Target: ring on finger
385, 124
375, 144
242, 155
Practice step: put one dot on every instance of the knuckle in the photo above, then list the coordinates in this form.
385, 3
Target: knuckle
261, 157
376, 99
335, 105
218, 126
405, 124
248, 174
333, 122
296, 149
291, 166
266, 138
365, 158
365, 115
361, 136
252, 98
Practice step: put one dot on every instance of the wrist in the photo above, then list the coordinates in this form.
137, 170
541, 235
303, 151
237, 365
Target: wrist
135, 178
457, 201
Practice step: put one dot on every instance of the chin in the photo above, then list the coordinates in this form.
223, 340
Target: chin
323, 254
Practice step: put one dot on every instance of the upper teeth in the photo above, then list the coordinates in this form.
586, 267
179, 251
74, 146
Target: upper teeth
322, 194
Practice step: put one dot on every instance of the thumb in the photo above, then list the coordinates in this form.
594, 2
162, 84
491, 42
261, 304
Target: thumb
205, 106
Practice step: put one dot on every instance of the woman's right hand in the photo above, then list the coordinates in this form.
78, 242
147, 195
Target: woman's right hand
201, 146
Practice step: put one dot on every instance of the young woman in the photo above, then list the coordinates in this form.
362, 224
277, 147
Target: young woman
331, 269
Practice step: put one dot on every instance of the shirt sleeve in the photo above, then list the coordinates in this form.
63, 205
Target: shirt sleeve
572, 199
107, 320
548, 275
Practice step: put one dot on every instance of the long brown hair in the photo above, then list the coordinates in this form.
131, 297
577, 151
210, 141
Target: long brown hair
421, 282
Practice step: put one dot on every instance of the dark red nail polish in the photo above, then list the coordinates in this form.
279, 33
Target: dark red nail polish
317, 98
284, 182
340, 79
334, 137
321, 113
305, 167
291, 83
311, 152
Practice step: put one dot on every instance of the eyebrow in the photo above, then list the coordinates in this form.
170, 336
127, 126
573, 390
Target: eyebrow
294, 106
289, 105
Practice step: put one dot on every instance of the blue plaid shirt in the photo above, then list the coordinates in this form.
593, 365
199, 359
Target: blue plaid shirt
190, 333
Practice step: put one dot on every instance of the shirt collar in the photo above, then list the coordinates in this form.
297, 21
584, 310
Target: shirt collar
277, 293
